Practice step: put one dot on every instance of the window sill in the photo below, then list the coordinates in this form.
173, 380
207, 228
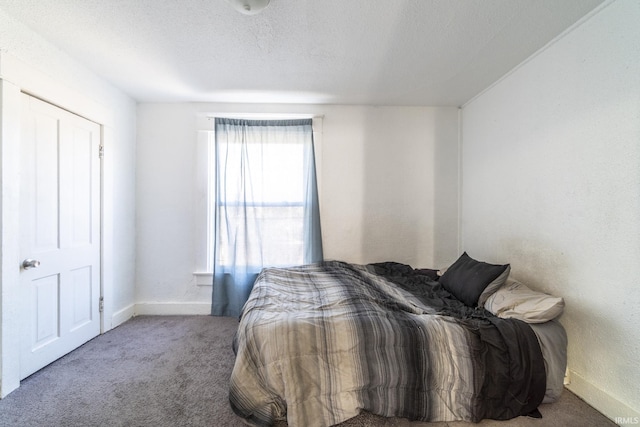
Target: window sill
203, 278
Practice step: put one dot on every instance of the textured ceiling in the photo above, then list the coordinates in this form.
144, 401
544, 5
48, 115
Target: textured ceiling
379, 52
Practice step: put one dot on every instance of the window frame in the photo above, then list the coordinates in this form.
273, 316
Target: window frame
204, 208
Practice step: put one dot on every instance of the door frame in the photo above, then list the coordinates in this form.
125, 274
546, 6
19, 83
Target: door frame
16, 78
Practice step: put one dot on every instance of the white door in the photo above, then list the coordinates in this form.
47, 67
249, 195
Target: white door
60, 233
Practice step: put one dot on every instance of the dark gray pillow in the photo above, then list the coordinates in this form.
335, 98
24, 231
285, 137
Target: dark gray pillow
467, 278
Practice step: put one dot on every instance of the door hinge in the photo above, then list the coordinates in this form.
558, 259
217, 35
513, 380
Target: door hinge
101, 305
101, 151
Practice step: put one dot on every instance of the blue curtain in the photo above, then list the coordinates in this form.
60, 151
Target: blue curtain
267, 212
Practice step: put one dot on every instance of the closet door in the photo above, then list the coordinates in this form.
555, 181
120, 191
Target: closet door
60, 233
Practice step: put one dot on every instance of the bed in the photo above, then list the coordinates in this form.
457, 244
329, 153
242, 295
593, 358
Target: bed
318, 344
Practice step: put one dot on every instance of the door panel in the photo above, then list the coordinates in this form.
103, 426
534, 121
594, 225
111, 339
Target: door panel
46, 292
80, 287
43, 157
60, 227
76, 203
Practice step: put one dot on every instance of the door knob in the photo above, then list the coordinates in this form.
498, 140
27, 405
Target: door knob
30, 263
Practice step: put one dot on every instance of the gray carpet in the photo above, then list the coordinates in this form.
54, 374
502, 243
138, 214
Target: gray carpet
174, 371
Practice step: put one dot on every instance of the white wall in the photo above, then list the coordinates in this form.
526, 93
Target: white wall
30, 63
377, 173
551, 179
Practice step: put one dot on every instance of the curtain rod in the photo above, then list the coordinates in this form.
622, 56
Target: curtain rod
264, 116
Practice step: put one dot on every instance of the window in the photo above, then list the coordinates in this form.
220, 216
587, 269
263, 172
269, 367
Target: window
262, 198
278, 207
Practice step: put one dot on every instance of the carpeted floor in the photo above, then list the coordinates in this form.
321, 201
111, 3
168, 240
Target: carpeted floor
174, 371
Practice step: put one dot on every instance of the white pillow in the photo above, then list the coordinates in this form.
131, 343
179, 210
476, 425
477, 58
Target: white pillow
492, 287
516, 300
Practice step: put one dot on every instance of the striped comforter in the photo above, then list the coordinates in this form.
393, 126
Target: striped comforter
317, 344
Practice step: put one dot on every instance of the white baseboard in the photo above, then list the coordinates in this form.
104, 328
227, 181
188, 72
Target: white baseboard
172, 308
121, 316
611, 407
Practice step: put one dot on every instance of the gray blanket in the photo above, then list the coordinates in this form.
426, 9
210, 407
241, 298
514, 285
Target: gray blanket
317, 344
